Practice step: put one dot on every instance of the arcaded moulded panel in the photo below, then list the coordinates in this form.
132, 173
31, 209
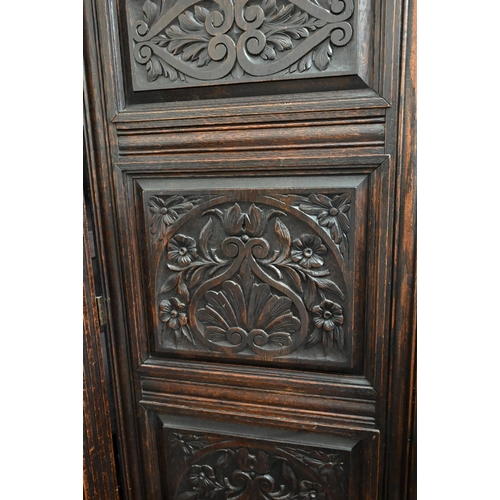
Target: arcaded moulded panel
258, 274
193, 43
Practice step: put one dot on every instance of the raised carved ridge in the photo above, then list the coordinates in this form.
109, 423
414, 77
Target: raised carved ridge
229, 401
251, 109
197, 41
251, 124
253, 279
362, 134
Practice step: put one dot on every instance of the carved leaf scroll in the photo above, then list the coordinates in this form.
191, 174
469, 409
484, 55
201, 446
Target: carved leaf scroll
328, 466
202, 41
241, 472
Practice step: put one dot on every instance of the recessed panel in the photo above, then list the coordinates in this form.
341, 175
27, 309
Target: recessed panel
192, 43
268, 273
216, 461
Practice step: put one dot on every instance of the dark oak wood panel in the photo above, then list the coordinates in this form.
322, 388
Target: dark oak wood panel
245, 457
99, 479
402, 402
256, 239
207, 460
305, 106
230, 254
349, 133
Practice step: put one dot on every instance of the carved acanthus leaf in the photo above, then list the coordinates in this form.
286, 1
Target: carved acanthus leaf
233, 39
250, 473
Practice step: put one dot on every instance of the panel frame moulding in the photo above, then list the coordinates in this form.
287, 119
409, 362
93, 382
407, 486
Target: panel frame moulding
361, 447
375, 71
131, 228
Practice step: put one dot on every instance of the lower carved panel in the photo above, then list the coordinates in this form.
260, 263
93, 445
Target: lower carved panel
212, 461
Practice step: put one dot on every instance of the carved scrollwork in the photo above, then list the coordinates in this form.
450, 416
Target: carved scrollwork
201, 40
217, 467
250, 473
249, 280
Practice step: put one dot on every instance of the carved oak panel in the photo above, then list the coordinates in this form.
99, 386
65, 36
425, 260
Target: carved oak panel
214, 461
251, 176
186, 43
262, 275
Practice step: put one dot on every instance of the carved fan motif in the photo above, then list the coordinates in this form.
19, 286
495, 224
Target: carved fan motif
262, 318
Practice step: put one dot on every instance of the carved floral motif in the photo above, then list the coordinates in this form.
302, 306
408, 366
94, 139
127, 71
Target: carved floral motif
308, 251
244, 284
211, 40
172, 312
329, 466
327, 318
207, 467
331, 213
167, 210
182, 250
187, 444
248, 474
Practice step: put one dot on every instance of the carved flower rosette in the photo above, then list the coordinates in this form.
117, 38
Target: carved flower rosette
262, 278
186, 42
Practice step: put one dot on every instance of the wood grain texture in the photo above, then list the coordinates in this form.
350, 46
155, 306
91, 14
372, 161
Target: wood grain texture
100, 479
322, 161
355, 133
401, 451
271, 404
97, 140
250, 109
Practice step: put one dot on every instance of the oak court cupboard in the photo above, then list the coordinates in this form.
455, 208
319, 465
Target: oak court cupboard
250, 207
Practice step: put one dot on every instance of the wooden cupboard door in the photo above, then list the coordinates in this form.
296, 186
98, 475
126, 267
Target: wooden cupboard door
246, 165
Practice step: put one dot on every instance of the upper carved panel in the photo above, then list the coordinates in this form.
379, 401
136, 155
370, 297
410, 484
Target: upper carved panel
259, 276
179, 43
